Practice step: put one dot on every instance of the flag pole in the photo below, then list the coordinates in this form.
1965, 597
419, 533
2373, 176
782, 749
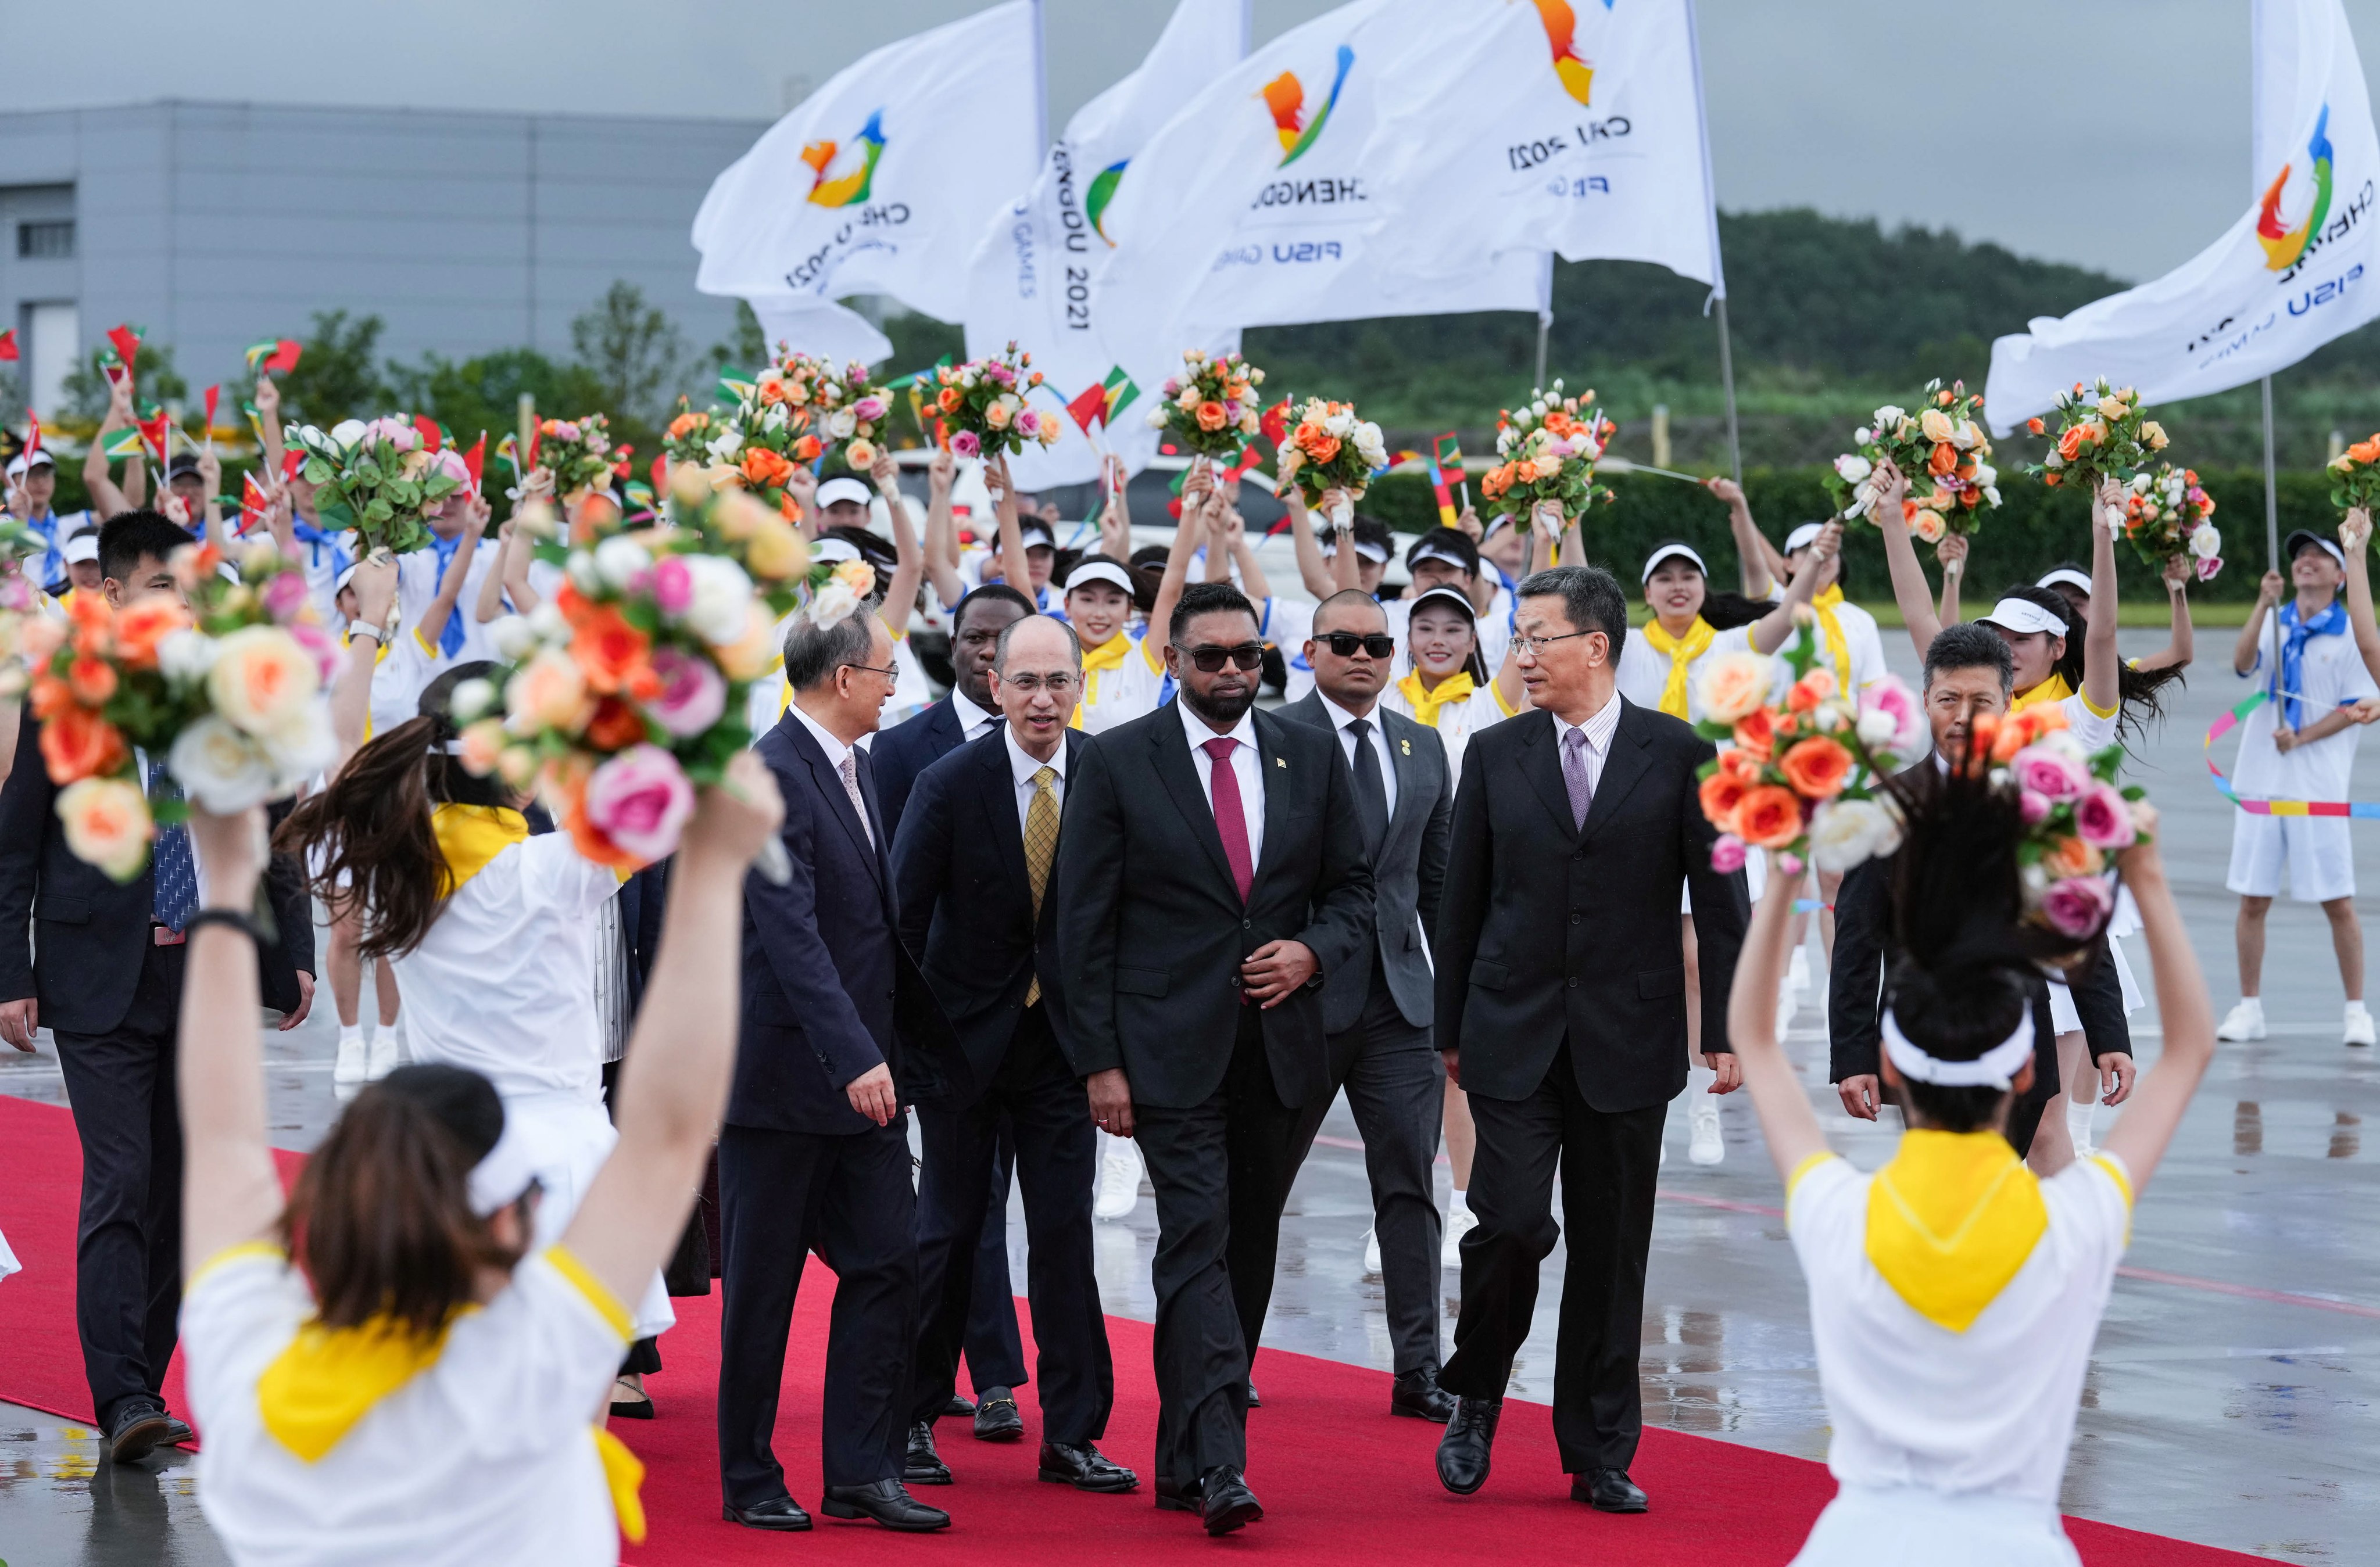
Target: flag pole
1719, 269
2272, 539
1545, 315
1727, 386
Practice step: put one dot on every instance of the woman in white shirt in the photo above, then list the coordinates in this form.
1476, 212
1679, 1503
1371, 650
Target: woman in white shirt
1445, 687
1954, 1295
391, 1368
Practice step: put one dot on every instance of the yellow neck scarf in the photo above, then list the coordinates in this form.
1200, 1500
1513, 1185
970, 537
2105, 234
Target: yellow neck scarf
1950, 1219
2054, 689
1839, 646
1455, 687
470, 836
1683, 651
330, 1378
1109, 655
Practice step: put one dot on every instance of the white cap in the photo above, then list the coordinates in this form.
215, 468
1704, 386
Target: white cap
1671, 552
2066, 576
843, 486
2291, 549
1437, 552
19, 466
1801, 537
1454, 595
2022, 616
1037, 532
82, 547
1098, 571
1363, 546
1500, 520
834, 549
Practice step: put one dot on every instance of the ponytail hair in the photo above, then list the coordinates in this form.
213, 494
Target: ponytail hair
2137, 691
381, 1218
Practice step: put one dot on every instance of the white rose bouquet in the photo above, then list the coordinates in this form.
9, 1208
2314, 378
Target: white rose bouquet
1549, 446
1329, 448
1940, 449
2165, 517
1211, 408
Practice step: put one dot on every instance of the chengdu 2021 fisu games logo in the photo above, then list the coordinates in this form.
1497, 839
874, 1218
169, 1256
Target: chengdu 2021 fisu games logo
1286, 96
2284, 243
1575, 68
840, 176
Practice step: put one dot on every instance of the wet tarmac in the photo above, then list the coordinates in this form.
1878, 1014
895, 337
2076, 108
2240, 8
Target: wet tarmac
2232, 1394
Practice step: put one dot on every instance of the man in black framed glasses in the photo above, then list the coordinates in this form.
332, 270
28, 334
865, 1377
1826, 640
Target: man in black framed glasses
1210, 879
1377, 1008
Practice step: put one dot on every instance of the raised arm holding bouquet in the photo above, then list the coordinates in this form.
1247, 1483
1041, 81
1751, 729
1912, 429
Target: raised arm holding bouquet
1212, 409
1547, 448
1942, 449
2166, 515
1329, 450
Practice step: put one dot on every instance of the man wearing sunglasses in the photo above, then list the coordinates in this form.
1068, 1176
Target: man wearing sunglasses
1210, 878
1377, 1007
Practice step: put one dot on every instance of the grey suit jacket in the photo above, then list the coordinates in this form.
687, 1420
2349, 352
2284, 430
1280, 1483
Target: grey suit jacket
1407, 874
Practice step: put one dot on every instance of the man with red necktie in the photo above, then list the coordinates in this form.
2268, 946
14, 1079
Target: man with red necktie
1211, 876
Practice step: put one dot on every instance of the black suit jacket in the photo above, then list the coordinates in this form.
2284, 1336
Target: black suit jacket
1408, 873
1550, 933
87, 932
967, 899
902, 753
829, 992
1151, 930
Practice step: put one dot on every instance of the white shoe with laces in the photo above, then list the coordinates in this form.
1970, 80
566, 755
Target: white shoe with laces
2244, 1021
2359, 1024
354, 1061
1118, 1180
383, 1058
1708, 1146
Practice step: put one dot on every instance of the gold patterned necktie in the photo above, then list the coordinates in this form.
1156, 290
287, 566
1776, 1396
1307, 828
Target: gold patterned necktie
1040, 848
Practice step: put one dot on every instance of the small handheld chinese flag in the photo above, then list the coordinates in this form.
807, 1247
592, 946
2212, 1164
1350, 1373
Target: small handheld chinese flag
127, 339
475, 459
430, 433
253, 502
213, 397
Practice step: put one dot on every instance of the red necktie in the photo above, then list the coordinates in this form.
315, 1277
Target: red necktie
1231, 817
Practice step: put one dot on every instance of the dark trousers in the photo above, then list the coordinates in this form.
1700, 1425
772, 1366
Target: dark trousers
780, 1194
995, 1355
1607, 1162
1394, 1085
1221, 1170
129, 1236
1036, 1095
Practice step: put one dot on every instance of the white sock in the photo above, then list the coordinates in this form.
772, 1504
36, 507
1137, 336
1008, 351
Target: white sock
2078, 1123
1459, 1202
2355, 1009
350, 1034
1698, 1085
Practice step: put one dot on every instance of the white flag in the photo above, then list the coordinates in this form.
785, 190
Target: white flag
1260, 203
801, 324
882, 180
1031, 281
1579, 130
2293, 272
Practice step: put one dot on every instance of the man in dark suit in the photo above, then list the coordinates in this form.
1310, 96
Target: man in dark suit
840, 1034
973, 865
1211, 878
995, 1352
1377, 1012
103, 973
1561, 1011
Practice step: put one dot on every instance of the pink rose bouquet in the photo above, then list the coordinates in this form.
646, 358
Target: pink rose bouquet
579, 454
381, 478
2076, 818
982, 404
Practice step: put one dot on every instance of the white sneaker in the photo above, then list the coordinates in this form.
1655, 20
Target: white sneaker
1119, 1181
1371, 1251
349, 1069
1788, 1003
2359, 1024
383, 1058
1798, 976
2244, 1021
1708, 1146
1460, 1221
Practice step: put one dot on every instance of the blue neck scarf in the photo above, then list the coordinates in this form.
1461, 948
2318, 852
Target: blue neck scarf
54, 562
317, 541
450, 641
2294, 634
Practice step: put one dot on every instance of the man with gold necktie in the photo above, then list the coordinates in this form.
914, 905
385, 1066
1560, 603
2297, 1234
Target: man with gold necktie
972, 867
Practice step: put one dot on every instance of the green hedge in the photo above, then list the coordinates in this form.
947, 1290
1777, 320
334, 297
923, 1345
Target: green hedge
2033, 528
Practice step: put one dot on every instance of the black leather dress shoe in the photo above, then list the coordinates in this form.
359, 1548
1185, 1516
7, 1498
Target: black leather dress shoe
782, 1514
1253, 1402
137, 1429
1608, 1491
1417, 1394
1172, 1497
1226, 1502
1462, 1452
960, 1407
996, 1418
923, 1465
887, 1501
1085, 1467
178, 1430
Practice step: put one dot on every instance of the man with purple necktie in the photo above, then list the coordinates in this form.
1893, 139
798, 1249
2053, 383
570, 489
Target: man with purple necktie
1210, 876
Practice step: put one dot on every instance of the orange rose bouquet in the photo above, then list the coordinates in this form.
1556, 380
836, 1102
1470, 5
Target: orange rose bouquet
1798, 774
2076, 818
2355, 476
2103, 433
627, 690
224, 683
2165, 517
1941, 448
982, 404
1329, 448
579, 454
1212, 409
1549, 446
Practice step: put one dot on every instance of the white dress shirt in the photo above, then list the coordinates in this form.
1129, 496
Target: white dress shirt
1341, 719
1598, 731
1245, 767
1022, 766
973, 720
835, 750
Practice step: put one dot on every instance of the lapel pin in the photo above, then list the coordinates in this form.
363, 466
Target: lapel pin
1405, 746
1281, 762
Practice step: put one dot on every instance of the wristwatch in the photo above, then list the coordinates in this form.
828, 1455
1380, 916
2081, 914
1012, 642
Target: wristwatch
365, 628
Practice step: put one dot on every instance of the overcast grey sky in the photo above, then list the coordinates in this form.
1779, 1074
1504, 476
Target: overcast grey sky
2113, 133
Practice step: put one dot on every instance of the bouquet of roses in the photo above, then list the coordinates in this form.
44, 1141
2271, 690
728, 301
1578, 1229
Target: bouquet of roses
2355, 476
981, 404
20, 603
2076, 818
1800, 774
2165, 516
2102, 434
840, 412
755, 443
228, 690
380, 479
1211, 407
687, 438
1940, 449
579, 454
1549, 447
1329, 448
627, 690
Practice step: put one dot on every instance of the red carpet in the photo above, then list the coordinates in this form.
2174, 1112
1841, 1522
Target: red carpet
1344, 1482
